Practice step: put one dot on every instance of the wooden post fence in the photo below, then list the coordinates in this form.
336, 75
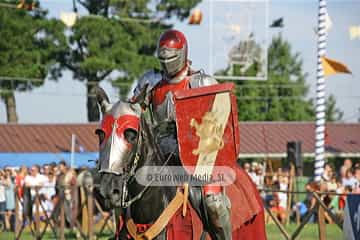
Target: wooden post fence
90, 208
38, 230
37, 214
319, 208
84, 210
39, 222
18, 221
62, 218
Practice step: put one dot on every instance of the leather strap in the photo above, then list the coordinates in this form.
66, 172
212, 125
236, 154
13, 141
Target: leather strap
132, 229
186, 196
160, 223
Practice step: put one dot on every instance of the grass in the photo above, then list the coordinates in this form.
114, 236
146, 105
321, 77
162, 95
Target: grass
273, 233
27, 236
310, 231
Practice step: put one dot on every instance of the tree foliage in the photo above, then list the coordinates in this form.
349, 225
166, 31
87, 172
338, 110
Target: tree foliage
29, 47
117, 41
283, 96
333, 113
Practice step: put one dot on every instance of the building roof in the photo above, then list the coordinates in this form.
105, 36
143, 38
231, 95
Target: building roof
47, 137
256, 138
270, 138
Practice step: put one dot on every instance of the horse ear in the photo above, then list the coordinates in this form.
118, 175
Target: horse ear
102, 99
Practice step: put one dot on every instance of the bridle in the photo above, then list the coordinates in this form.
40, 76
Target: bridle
135, 156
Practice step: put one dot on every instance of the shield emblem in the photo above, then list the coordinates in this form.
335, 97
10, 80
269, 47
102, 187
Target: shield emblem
207, 127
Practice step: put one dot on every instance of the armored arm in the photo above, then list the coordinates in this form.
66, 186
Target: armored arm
144, 87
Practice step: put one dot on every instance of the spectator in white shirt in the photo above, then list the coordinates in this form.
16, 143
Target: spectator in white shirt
252, 172
2, 192
349, 179
35, 180
50, 185
283, 186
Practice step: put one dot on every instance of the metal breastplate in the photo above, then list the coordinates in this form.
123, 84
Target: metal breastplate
164, 124
164, 118
165, 112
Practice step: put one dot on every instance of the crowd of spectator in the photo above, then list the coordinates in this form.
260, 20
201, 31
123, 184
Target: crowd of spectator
276, 181
46, 181
336, 183
339, 184
43, 181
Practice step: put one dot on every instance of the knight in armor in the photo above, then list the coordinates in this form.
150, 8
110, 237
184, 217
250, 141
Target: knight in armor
154, 92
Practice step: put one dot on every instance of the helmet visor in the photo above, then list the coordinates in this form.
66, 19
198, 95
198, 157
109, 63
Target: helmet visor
171, 60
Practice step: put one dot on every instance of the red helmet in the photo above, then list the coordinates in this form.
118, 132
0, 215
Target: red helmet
172, 52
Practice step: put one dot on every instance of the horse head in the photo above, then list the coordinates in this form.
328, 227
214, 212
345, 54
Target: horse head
117, 137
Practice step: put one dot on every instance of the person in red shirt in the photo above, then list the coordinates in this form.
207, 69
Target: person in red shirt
342, 200
19, 181
277, 209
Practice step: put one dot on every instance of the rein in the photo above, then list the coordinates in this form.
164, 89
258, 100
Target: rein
125, 203
132, 172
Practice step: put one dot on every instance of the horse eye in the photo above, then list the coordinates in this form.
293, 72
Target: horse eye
101, 135
130, 135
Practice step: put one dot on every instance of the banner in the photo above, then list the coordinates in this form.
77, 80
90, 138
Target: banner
351, 225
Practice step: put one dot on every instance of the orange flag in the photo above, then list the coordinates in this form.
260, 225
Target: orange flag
196, 17
332, 67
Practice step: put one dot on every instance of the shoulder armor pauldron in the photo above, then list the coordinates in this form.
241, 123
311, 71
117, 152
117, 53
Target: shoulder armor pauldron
145, 85
200, 79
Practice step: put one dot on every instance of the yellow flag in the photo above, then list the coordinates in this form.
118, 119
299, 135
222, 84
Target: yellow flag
196, 17
332, 67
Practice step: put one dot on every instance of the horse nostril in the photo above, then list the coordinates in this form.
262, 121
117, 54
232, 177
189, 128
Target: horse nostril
116, 191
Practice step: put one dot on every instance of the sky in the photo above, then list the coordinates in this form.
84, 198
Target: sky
64, 101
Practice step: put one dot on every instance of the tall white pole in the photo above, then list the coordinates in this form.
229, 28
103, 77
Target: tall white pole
72, 157
320, 95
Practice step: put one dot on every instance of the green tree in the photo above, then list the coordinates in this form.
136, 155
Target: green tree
283, 96
117, 41
333, 113
30, 45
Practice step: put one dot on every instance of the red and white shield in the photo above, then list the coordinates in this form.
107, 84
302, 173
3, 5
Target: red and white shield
207, 127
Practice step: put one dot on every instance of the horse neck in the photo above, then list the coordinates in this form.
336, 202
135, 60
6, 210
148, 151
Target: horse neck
157, 197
